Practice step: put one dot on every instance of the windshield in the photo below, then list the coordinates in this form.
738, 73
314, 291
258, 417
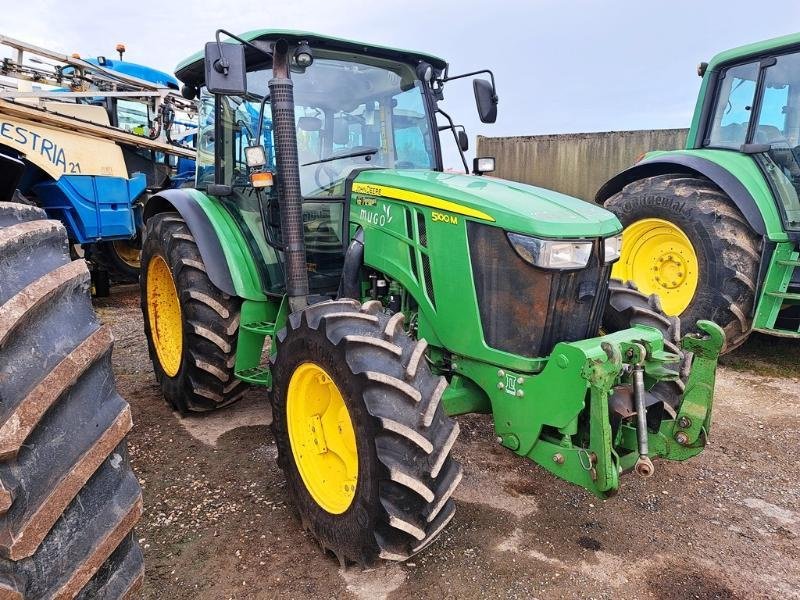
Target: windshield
348, 115
766, 114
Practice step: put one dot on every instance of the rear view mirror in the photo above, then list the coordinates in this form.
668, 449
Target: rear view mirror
225, 69
486, 99
309, 124
341, 132
463, 140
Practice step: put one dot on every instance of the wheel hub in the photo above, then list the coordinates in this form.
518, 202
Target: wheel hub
322, 438
659, 257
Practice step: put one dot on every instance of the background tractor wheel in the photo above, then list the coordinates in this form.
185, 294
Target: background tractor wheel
362, 438
685, 241
68, 496
191, 326
121, 259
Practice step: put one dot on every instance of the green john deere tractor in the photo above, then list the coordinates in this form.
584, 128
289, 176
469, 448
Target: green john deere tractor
714, 229
395, 295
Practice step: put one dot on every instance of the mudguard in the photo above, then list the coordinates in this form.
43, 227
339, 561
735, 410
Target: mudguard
680, 163
224, 252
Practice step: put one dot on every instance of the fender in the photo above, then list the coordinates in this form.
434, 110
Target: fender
686, 163
225, 254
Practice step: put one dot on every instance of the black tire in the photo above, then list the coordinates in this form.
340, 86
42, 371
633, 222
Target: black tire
68, 497
105, 256
626, 307
210, 322
406, 474
728, 250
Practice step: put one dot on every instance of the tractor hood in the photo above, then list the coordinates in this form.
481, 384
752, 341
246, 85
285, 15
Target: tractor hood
513, 206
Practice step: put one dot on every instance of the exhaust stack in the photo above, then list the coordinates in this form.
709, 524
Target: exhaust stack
291, 208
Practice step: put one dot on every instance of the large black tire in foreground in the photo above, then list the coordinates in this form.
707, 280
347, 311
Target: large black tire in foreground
68, 496
205, 330
728, 250
403, 438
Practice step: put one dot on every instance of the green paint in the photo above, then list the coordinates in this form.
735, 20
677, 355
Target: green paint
775, 294
244, 272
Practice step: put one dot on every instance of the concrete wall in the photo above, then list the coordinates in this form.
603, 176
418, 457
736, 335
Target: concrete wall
574, 163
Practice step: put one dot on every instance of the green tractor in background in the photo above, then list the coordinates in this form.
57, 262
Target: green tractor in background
329, 258
714, 230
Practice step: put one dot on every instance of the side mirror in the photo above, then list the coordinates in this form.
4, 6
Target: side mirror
341, 132
225, 69
463, 140
486, 99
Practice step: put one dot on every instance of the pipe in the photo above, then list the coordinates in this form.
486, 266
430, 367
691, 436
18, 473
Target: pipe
644, 466
281, 90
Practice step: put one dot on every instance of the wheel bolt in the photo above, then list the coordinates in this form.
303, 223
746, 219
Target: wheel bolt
682, 438
684, 422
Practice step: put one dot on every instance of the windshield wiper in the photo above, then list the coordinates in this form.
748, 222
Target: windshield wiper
364, 152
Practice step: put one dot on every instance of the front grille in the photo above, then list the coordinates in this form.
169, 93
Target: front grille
526, 310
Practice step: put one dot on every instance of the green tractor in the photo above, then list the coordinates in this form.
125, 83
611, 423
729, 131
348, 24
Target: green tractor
714, 230
328, 257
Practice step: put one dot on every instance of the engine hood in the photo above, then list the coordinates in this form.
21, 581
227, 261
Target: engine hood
513, 206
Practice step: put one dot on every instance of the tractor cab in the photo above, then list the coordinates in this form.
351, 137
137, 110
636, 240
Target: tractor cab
356, 107
757, 111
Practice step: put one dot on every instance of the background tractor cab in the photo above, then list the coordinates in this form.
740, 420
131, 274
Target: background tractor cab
396, 295
714, 229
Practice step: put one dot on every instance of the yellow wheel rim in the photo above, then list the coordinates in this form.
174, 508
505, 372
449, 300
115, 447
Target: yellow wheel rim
164, 312
128, 253
658, 256
322, 438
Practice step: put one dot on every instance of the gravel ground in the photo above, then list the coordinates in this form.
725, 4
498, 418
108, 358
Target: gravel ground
723, 525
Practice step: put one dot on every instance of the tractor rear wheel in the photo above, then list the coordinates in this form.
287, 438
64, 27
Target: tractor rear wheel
190, 324
362, 438
685, 241
68, 496
121, 259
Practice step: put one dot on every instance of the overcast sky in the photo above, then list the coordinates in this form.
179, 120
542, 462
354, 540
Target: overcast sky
561, 66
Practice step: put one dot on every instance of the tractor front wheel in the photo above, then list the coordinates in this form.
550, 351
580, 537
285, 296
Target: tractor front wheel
685, 241
362, 438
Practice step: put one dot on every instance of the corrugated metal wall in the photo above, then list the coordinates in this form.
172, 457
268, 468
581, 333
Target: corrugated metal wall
574, 163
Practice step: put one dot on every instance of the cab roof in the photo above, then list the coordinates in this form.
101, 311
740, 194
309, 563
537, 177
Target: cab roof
777, 44
191, 70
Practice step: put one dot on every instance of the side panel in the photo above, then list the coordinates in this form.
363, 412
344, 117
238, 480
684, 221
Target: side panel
427, 252
229, 264
58, 152
736, 174
92, 208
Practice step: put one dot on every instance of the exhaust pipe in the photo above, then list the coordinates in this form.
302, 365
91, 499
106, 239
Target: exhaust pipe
281, 90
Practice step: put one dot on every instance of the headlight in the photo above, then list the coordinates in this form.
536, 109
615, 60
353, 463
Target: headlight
552, 254
612, 247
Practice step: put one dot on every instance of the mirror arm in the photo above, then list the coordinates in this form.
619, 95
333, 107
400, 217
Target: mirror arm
221, 66
447, 78
452, 128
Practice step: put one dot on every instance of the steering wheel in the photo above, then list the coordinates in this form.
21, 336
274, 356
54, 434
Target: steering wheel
331, 173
